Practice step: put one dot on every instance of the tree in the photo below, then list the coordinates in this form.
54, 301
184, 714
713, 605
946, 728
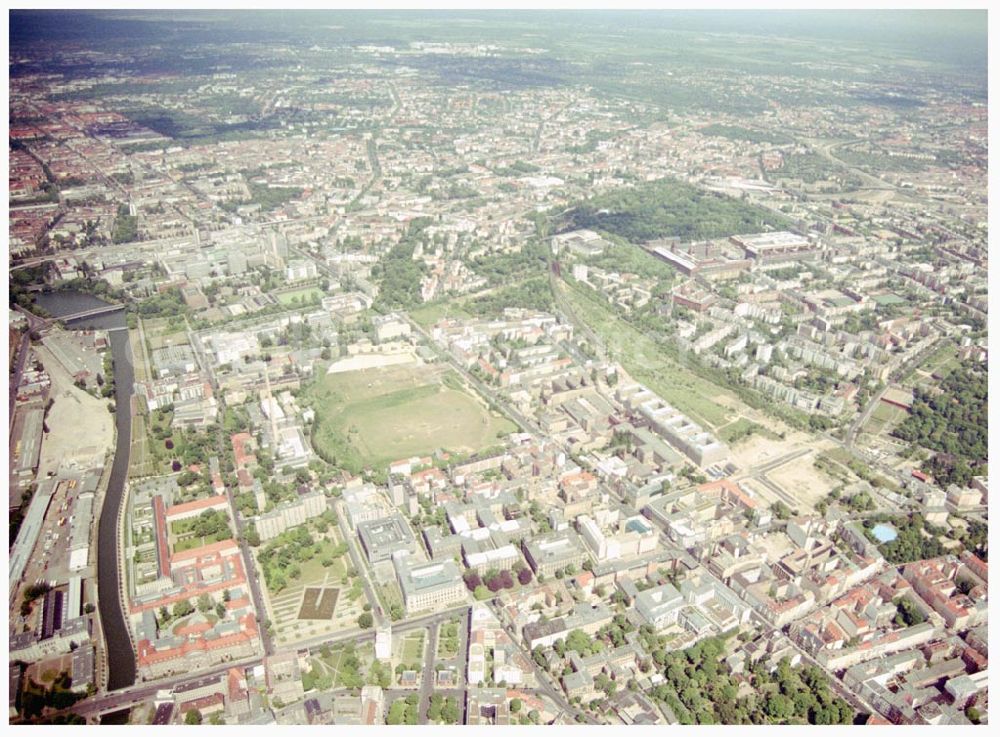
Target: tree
524, 576
182, 608
204, 603
192, 717
449, 712
397, 712
579, 640
908, 614
365, 620
515, 706
434, 710
472, 580
778, 706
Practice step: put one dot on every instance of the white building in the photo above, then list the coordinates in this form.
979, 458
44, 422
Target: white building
391, 326
300, 270
660, 606
383, 643
290, 514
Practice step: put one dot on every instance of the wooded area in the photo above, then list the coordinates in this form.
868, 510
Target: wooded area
669, 208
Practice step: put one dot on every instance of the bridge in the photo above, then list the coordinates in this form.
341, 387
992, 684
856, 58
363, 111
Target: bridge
104, 310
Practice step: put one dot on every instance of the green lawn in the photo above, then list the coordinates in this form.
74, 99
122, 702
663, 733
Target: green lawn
307, 295
190, 543
884, 417
376, 416
839, 455
648, 364
389, 594
943, 361
413, 649
430, 314
313, 570
743, 429
889, 299
447, 645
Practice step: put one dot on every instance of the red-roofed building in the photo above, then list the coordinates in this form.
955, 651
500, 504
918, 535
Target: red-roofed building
935, 582
244, 446
237, 693
730, 492
199, 653
193, 509
160, 525
205, 705
239, 603
197, 556
205, 570
244, 480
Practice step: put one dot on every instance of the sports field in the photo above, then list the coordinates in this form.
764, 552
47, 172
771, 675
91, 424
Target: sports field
305, 296
884, 418
374, 416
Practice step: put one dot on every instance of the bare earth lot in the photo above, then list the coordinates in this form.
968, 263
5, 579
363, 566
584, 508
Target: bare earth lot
80, 426
802, 481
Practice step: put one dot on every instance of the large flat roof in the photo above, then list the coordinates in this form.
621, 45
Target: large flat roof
27, 536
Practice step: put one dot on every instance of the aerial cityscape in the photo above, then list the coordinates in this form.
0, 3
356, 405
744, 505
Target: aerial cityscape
498, 367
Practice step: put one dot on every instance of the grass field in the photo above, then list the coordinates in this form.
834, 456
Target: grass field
447, 640
189, 543
742, 429
375, 416
943, 361
839, 455
140, 461
430, 314
648, 364
161, 332
307, 295
884, 418
413, 648
389, 594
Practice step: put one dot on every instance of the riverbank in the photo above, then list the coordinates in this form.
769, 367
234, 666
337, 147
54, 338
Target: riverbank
121, 654
120, 663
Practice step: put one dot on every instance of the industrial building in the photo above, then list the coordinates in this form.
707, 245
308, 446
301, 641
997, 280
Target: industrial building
711, 259
772, 249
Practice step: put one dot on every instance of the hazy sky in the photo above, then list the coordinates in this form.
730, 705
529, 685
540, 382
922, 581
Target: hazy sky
937, 35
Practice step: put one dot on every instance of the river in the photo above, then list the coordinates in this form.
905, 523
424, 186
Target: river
120, 655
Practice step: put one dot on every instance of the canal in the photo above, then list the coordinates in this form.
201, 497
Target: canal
120, 656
